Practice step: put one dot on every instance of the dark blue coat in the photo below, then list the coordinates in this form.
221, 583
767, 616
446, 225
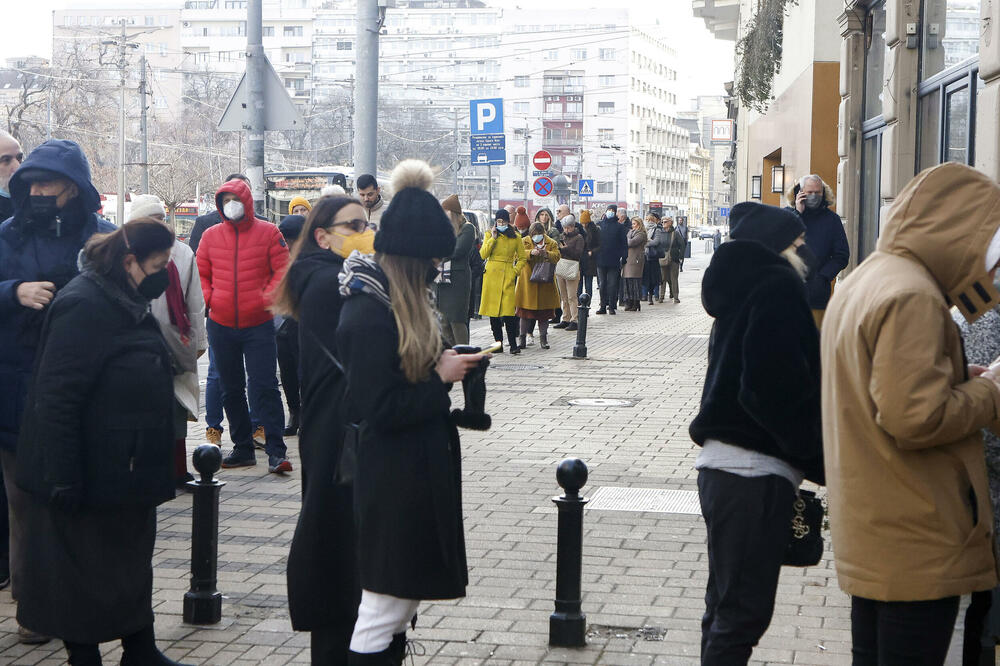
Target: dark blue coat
825, 238
29, 253
614, 243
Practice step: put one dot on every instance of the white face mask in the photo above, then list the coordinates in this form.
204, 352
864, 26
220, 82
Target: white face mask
233, 210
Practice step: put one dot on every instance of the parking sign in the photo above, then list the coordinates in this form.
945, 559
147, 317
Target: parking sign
486, 116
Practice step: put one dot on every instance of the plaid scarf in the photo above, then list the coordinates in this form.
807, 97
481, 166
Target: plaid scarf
362, 275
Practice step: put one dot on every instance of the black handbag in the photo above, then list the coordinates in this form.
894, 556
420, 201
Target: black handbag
805, 540
544, 272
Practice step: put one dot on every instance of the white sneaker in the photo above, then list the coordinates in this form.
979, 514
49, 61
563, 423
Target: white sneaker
531, 340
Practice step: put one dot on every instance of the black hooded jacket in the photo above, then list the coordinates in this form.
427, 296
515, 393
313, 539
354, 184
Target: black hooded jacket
323, 585
762, 388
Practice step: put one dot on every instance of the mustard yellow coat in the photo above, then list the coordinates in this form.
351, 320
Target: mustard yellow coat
504, 257
537, 295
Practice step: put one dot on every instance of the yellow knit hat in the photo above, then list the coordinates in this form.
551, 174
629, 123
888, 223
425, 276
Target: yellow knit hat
299, 201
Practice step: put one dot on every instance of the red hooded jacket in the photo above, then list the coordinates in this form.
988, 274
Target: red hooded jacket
241, 263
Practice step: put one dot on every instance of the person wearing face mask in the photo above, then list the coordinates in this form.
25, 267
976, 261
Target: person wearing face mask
322, 571
504, 254
180, 312
655, 250
759, 422
11, 157
610, 256
536, 301
407, 485
811, 198
96, 452
903, 413
241, 261
55, 213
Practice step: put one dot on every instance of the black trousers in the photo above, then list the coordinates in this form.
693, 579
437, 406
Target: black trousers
609, 280
748, 523
894, 633
287, 340
498, 324
978, 644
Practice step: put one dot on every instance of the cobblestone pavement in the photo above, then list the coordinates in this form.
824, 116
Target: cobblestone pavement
644, 572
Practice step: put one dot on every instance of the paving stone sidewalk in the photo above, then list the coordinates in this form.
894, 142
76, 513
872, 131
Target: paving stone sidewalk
644, 572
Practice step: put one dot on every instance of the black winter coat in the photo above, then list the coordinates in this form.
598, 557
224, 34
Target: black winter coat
100, 408
202, 224
408, 500
323, 587
827, 240
588, 264
762, 388
614, 244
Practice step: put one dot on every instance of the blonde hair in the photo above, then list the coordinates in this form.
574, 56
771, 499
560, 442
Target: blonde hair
417, 324
791, 256
457, 220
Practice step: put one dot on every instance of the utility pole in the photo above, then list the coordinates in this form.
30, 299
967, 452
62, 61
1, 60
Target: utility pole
526, 160
143, 127
457, 148
123, 45
370, 19
255, 88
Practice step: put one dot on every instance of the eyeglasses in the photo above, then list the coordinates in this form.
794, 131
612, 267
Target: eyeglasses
6, 159
358, 225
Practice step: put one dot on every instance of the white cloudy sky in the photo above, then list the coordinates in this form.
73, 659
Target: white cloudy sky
705, 64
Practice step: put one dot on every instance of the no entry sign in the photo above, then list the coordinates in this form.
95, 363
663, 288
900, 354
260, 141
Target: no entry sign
543, 186
542, 160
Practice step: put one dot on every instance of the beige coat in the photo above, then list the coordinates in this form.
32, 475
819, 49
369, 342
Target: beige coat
636, 254
909, 504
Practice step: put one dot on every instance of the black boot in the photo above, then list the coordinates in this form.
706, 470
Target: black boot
292, 429
391, 656
83, 654
140, 649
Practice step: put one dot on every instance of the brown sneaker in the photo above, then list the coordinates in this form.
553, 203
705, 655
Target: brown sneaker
259, 437
28, 637
213, 436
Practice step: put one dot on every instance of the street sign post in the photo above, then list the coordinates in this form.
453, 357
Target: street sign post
542, 160
488, 149
543, 186
486, 116
585, 188
723, 212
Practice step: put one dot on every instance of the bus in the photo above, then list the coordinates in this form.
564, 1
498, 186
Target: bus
280, 187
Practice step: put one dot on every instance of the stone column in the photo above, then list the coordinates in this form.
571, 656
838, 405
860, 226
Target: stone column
899, 103
852, 81
988, 101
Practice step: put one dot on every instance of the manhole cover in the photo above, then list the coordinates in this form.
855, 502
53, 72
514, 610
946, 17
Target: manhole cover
514, 366
600, 402
652, 500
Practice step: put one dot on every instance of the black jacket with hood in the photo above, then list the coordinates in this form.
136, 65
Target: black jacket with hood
762, 387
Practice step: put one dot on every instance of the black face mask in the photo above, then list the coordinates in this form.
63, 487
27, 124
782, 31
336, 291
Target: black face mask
154, 284
44, 208
806, 255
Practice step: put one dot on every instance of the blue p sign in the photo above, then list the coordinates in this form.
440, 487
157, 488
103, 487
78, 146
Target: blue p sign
486, 116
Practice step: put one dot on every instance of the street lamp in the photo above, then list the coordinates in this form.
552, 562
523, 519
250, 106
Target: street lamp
778, 179
755, 187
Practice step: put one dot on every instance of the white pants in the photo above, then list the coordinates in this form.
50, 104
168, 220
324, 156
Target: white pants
380, 616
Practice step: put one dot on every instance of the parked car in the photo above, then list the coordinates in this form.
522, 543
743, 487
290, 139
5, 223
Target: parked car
707, 233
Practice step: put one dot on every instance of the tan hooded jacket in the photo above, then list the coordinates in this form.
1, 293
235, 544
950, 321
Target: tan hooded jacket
909, 503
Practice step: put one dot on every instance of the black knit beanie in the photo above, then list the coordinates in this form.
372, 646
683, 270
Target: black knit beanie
502, 214
414, 224
771, 226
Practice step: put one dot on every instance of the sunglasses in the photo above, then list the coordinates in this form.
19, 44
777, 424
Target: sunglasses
6, 159
357, 224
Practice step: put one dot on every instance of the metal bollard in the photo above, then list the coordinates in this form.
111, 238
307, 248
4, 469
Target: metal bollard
568, 625
203, 603
580, 349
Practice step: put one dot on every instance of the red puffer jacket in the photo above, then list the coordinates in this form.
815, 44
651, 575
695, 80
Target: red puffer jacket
240, 264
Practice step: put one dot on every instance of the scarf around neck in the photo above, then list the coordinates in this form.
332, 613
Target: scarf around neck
361, 274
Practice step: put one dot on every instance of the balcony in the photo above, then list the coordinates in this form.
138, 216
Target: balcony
562, 115
562, 89
563, 142
722, 17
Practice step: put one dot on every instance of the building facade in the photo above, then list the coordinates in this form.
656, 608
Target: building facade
920, 85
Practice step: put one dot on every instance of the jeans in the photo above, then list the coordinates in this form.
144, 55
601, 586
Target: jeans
609, 280
253, 348
915, 633
213, 398
747, 520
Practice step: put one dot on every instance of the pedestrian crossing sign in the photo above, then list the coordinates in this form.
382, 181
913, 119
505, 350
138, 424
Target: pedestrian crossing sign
586, 187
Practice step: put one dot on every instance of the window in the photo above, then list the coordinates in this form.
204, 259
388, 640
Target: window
521, 81
606, 80
607, 54
605, 107
876, 55
345, 46
605, 187
950, 34
552, 55
295, 84
579, 54
268, 31
522, 107
292, 31
946, 115
150, 20
871, 197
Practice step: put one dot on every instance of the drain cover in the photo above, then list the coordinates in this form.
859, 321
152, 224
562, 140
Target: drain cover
600, 402
653, 500
514, 366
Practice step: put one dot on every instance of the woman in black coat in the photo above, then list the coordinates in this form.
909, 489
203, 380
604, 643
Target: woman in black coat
408, 500
323, 587
95, 452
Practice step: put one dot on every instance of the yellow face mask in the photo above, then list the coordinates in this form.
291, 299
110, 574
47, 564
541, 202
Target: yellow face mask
342, 245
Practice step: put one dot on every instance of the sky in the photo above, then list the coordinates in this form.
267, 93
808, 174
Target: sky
705, 63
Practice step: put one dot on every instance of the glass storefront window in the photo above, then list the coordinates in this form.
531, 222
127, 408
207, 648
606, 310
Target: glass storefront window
871, 194
956, 134
876, 55
951, 31
929, 141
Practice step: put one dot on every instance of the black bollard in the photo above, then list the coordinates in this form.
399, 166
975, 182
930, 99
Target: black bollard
568, 625
580, 350
203, 603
